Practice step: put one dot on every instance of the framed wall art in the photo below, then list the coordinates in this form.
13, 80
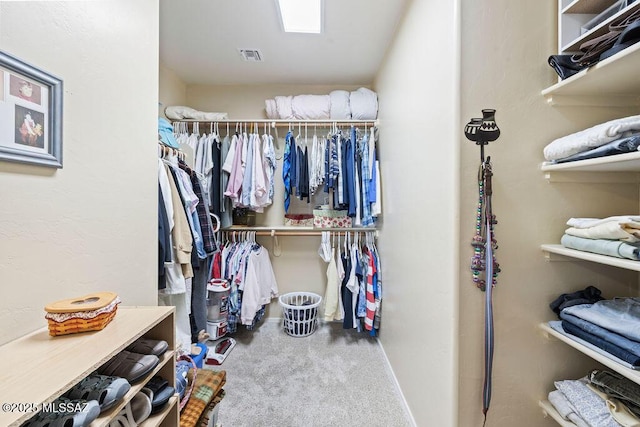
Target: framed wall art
30, 114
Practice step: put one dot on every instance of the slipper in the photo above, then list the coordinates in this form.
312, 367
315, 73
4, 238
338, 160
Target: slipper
61, 418
162, 392
148, 346
131, 366
628, 37
135, 412
106, 390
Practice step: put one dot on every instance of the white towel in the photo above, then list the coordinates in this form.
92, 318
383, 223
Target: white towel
590, 138
340, 107
592, 222
611, 230
364, 104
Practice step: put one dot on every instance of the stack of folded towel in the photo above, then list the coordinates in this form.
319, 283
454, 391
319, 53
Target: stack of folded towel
617, 236
361, 104
613, 137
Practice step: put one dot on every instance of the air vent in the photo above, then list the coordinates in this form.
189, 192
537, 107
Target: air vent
251, 55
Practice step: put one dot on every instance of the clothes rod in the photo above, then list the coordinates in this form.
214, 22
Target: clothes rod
284, 123
265, 231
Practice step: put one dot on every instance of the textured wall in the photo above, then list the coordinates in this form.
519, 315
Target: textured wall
172, 91
418, 93
505, 45
90, 226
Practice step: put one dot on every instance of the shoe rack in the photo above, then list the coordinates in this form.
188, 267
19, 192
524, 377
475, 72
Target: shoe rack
39, 368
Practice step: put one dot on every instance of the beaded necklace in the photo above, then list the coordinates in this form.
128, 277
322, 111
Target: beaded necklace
478, 242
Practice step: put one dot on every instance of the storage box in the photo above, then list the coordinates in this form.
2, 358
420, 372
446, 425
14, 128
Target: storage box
298, 220
329, 218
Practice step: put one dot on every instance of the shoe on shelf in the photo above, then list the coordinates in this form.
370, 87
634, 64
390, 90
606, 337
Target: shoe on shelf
130, 366
66, 413
106, 390
135, 412
148, 346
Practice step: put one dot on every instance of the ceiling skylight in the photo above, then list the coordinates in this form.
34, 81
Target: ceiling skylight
301, 16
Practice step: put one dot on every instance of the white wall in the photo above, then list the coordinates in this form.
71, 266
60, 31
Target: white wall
90, 226
172, 90
418, 96
505, 46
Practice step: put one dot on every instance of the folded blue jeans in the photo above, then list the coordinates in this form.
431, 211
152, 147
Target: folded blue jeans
619, 315
623, 342
613, 349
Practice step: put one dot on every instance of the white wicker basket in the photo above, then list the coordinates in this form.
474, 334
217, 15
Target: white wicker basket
300, 311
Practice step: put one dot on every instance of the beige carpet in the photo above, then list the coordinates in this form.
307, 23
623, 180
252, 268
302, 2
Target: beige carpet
330, 378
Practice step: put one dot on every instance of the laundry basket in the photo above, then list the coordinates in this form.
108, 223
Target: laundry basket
300, 310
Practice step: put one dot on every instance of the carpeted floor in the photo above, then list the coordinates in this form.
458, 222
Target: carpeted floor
330, 378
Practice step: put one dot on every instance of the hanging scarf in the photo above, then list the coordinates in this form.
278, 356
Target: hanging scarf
484, 244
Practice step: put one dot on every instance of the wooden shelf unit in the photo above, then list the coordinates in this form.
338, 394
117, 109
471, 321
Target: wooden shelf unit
40, 368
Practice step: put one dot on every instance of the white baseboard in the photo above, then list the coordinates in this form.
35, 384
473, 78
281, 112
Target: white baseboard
405, 405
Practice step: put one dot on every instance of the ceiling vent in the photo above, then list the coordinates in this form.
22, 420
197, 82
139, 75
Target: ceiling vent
251, 55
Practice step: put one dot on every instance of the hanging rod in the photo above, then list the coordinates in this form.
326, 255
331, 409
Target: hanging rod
284, 123
296, 231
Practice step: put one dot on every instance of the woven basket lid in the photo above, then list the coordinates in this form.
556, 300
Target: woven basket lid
88, 302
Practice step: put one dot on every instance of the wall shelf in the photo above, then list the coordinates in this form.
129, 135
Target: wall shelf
626, 264
609, 83
631, 374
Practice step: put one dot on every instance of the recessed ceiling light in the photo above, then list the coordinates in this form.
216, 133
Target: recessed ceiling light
301, 16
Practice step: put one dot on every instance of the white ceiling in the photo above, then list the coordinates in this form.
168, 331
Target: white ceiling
199, 40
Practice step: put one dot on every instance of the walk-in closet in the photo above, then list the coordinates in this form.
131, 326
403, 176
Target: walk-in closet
87, 223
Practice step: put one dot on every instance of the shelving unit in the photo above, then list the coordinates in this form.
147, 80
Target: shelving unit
40, 368
610, 82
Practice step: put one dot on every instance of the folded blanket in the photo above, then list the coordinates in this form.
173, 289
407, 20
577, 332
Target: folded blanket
590, 138
208, 383
614, 248
364, 104
178, 112
271, 108
340, 107
283, 105
311, 107
627, 231
628, 144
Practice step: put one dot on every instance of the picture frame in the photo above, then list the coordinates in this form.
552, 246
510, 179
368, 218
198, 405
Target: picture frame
30, 114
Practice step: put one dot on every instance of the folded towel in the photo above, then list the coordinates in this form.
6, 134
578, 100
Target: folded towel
590, 138
340, 108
